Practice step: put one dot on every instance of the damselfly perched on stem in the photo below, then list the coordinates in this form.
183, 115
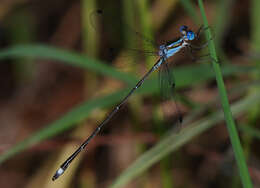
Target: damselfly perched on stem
164, 52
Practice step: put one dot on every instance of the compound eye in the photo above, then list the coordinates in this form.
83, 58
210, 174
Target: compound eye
190, 35
183, 29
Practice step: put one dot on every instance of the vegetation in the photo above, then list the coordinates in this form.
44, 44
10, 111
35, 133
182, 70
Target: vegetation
59, 80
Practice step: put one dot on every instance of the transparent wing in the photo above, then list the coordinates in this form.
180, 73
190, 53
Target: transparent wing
167, 86
166, 81
119, 36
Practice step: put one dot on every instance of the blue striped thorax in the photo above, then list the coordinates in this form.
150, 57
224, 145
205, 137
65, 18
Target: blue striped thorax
166, 51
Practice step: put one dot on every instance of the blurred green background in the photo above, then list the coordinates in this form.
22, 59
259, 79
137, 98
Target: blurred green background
58, 81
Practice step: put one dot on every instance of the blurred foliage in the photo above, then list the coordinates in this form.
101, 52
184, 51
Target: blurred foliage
58, 78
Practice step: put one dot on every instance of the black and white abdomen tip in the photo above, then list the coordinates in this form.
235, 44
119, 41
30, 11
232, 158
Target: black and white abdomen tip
58, 173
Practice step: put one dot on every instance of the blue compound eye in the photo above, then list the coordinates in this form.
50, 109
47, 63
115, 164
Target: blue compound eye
190, 35
183, 28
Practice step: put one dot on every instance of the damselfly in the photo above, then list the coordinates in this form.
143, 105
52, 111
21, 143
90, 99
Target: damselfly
165, 52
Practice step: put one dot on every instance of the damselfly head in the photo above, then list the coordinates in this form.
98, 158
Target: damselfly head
190, 35
187, 34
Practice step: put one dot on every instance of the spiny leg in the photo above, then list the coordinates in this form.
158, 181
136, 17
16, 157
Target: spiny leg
198, 58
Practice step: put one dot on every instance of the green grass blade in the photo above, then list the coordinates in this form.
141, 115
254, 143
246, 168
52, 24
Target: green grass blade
66, 122
184, 75
75, 59
238, 152
255, 39
65, 56
174, 141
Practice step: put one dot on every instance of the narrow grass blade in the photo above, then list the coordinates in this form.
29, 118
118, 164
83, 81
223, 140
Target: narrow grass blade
65, 56
233, 134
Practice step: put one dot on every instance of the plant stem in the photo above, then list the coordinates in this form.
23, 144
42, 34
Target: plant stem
233, 134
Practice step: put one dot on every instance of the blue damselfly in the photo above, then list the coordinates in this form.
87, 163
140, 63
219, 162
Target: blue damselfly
165, 51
